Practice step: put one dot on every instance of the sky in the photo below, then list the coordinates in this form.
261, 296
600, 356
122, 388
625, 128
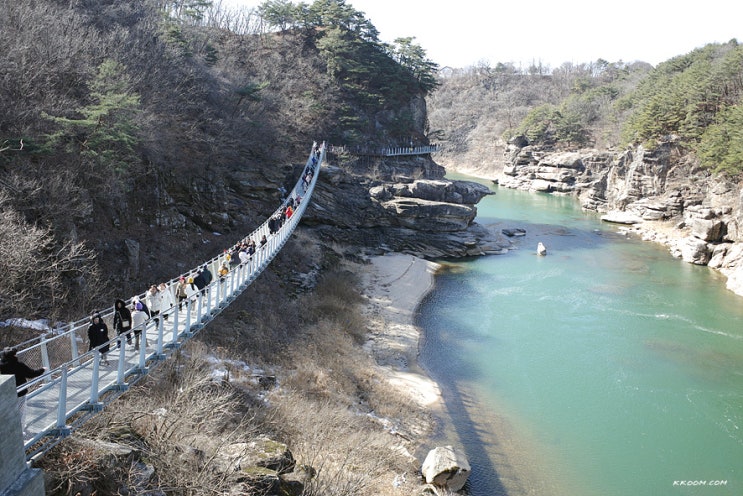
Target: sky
463, 33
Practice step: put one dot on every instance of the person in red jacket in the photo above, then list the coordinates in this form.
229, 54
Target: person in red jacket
9, 364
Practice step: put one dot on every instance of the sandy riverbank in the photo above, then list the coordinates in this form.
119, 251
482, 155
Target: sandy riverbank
395, 284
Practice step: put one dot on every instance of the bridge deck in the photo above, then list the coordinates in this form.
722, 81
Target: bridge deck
78, 385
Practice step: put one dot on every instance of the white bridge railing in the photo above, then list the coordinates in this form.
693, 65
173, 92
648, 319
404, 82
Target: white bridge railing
77, 385
388, 151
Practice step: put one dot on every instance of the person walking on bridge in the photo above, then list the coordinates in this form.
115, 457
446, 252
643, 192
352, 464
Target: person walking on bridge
152, 299
98, 336
9, 364
208, 277
139, 323
200, 282
223, 271
123, 320
180, 291
167, 300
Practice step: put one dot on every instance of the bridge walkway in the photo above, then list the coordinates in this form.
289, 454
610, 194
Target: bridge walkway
78, 385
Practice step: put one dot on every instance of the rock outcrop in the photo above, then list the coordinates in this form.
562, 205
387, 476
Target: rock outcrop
262, 465
408, 207
661, 195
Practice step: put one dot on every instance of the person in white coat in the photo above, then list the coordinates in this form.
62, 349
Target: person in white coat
152, 299
139, 323
191, 290
167, 300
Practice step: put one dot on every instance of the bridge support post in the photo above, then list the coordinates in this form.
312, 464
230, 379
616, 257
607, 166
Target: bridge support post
16, 477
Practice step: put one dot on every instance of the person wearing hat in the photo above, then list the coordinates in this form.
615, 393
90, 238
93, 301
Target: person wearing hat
192, 291
98, 336
139, 322
223, 271
9, 364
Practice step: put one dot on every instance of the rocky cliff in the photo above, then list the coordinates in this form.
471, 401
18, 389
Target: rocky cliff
662, 195
402, 204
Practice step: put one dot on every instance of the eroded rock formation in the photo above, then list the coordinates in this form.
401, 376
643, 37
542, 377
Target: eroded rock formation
401, 205
669, 198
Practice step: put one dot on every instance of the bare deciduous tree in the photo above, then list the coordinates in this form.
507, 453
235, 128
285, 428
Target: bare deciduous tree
37, 268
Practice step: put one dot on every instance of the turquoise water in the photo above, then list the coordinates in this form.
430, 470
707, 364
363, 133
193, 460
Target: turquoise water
607, 367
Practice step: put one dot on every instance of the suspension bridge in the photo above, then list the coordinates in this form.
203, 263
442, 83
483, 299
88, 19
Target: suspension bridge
387, 151
77, 384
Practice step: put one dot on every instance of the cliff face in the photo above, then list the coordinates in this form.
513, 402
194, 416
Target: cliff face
663, 195
399, 204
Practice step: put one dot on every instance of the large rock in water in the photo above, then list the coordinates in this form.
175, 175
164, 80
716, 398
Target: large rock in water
446, 467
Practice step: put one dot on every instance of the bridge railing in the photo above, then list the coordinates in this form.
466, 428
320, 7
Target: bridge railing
387, 151
76, 384
62, 343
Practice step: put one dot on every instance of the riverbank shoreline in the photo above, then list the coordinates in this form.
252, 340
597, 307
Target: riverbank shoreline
667, 233
395, 285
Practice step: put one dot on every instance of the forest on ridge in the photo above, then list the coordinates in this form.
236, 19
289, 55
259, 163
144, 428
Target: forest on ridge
694, 99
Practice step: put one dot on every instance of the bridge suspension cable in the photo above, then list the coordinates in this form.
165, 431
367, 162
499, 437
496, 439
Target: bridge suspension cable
77, 385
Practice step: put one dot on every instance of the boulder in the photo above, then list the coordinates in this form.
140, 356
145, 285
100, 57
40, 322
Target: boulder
619, 217
256, 480
735, 279
262, 452
542, 186
541, 249
446, 467
517, 231
441, 190
426, 215
694, 250
710, 230
719, 253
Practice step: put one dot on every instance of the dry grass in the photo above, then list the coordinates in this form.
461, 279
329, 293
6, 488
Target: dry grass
175, 422
331, 406
349, 450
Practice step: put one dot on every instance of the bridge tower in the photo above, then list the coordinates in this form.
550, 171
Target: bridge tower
16, 477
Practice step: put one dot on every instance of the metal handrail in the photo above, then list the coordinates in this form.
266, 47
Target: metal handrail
388, 151
86, 398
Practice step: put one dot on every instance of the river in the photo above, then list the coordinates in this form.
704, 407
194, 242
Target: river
607, 367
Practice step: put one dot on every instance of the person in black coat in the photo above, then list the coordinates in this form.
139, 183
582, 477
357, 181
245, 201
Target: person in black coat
98, 336
9, 364
207, 274
200, 282
123, 320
